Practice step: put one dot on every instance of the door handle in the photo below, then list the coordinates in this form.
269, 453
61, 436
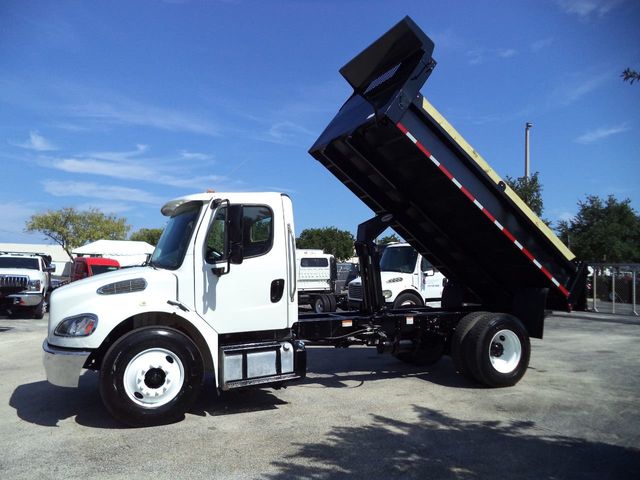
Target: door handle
277, 289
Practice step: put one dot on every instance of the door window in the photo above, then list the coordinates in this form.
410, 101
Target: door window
258, 230
216, 238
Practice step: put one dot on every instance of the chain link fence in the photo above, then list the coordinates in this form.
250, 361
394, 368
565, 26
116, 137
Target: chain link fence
614, 288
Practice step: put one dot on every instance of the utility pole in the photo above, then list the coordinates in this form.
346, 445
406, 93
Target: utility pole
527, 127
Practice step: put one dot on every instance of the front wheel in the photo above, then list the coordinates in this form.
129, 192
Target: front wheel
407, 300
498, 350
151, 376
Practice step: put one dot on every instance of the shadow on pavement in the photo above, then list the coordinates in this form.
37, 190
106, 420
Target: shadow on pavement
45, 404
437, 446
323, 366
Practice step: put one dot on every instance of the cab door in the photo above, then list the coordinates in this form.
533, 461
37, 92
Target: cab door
432, 285
249, 296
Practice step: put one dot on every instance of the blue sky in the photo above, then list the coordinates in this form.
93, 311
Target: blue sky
123, 105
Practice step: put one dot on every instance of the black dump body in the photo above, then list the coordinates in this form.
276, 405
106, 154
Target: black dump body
400, 157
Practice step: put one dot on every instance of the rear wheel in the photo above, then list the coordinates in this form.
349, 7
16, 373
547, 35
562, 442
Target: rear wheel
498, 350
407, 300
151, 376
459, 338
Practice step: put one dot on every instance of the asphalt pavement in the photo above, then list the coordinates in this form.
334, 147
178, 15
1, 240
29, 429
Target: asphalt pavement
358, 414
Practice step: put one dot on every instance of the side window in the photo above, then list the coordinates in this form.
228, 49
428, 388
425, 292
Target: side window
258, 230
215, 245
314, 262
425, 265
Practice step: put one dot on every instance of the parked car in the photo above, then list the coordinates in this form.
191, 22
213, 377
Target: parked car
88, 266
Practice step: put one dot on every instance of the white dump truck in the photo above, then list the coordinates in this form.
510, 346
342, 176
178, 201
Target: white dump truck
219, 294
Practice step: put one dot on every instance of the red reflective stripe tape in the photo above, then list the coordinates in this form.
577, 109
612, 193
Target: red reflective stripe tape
528, 254
467, 193
508, 234
423, 149
488, 214
546, 272
446, 172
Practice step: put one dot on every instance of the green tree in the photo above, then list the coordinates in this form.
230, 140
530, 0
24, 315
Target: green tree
149, 235
338, 243
71, 228
630, 76
388, 239
603, 230
529, 190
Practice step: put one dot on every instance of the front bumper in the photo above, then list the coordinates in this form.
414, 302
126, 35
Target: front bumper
22, 299
63, 365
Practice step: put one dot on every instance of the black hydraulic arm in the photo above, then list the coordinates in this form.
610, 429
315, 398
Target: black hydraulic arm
372, 301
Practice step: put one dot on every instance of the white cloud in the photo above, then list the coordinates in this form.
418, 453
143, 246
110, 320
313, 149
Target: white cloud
93, 190
194, 155
601, 133
478, 56
577, 87
128, 112
13, 219
37, 142
106, 207
584, 9
541, 44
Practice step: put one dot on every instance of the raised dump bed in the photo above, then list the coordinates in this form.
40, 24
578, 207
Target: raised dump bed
399, 155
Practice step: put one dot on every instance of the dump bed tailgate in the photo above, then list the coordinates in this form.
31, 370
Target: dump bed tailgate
392, 148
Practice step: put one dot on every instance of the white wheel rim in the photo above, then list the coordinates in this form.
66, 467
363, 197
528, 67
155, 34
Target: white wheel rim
319, 306
505, 351
153, 377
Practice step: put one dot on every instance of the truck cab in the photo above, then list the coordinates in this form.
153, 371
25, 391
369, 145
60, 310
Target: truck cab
408, 279
219, 295
84, 267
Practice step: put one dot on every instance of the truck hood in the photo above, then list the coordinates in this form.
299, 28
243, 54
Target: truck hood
26, 272
112, 297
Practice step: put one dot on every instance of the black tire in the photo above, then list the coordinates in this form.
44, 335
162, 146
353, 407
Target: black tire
135, 350
333, 303
495, 359
429, 353
465, 324
321, 304
407, 300
38, 310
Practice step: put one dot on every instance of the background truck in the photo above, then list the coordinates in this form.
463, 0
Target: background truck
84, 267
408, 280
219, 294
316, 276
25, 283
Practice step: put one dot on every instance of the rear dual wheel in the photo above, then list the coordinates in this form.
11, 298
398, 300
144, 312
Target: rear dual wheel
428, 353
491, 348
324, 303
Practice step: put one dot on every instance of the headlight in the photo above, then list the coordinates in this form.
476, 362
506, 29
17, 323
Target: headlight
34, 285
386, 293
77, 326
394, 280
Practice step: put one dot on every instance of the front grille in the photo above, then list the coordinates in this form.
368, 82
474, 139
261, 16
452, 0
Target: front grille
355, 292
14, 281
125, 286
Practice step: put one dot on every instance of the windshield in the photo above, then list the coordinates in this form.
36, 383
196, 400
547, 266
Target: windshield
18, 262
97, 269
175, 238
399, 259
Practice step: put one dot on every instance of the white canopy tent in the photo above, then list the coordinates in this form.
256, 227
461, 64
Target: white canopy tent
126, 252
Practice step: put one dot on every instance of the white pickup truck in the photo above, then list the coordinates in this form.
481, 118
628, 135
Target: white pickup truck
408, 279
25, 281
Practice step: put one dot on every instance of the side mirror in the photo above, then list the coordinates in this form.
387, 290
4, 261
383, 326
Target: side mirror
236, 229
50, 268
429, 273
